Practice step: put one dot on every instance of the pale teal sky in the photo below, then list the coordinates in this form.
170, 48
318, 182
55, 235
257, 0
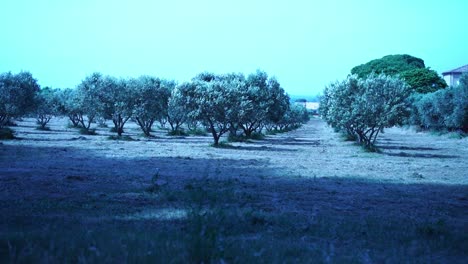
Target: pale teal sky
305, 44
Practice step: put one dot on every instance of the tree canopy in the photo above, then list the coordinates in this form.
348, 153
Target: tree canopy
409, 68
17, 95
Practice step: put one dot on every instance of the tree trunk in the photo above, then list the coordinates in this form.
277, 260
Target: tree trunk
213, 133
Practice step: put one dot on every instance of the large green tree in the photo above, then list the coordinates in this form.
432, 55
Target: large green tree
409, 68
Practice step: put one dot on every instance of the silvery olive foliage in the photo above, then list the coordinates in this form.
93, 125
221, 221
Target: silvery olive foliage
116, 99
69, 105
176, 112
220, 103
151, 99
231, 102
48, 104
87, 100
445, 109
211, 100
362, 108
17, 95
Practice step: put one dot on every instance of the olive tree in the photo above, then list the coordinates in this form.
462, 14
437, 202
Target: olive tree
253, 96
383, 102
278, 105
362, 108
117, 100
151, 97
335, 105
48, 105
211, 100
69, 105
88, 100
177, 112
17, 95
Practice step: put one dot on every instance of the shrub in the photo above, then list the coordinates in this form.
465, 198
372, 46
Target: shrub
443, 110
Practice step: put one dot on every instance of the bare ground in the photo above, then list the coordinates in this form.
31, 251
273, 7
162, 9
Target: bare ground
327, 199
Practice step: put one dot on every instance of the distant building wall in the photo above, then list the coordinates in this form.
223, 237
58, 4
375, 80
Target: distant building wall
452, 78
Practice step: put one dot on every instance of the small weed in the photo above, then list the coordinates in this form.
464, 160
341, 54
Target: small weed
347, 137
7, 133
370, 148
41, 128
243, 138
123, 138
156, 183
433, 230
177, 133
71, 125
197, 132
223, 145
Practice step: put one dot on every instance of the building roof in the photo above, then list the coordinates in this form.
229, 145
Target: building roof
461, 69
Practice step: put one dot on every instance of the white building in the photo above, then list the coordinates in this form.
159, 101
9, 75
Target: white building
452, 78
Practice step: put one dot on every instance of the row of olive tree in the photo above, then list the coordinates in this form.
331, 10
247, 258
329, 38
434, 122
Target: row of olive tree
445, 109
362, 108
144, 100
219, 103
233, 102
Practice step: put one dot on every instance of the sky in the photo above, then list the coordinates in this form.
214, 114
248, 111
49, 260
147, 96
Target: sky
305, 44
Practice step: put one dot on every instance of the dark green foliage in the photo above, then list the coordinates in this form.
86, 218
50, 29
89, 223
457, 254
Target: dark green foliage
423, 80
409, 68
390, 65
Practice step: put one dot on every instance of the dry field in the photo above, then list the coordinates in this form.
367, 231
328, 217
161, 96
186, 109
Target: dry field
304, 196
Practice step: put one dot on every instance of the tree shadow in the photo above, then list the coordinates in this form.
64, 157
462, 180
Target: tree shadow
84, 189
400, 147
420, 155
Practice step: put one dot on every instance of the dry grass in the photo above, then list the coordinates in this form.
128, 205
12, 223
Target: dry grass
303, 196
